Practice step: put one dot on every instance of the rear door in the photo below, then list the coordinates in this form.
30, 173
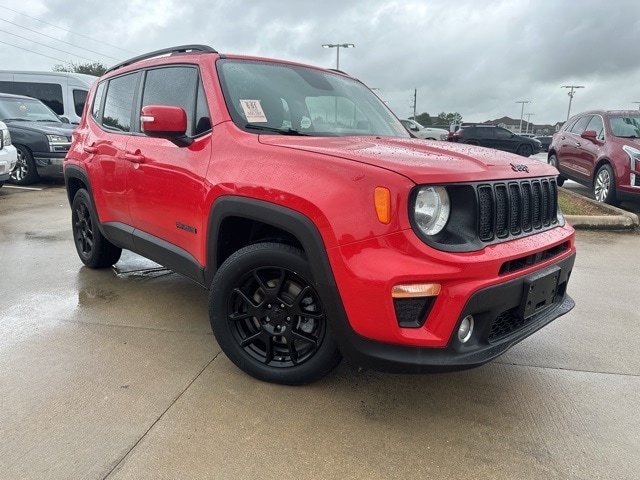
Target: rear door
570, 148
588, 152
166, 181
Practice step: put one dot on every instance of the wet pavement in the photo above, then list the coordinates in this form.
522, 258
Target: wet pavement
115, 374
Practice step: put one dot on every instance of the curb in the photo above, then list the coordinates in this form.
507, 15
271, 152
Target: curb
618, 219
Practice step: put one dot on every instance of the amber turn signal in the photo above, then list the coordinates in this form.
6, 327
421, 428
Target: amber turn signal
382, 199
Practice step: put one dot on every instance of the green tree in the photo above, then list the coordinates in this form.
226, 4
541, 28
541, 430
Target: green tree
424, 119
449, 118
95, 68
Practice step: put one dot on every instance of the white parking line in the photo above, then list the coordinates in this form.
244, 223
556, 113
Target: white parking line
23, 188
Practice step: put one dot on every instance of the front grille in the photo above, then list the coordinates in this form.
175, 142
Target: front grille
513, 208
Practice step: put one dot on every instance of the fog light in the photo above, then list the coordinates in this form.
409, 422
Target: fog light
466, 329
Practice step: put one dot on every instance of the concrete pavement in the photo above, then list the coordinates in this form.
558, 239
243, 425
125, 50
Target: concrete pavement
114, 374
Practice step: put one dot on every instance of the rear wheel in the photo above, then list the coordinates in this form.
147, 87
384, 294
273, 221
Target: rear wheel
24, 173
525, 150
604, 186
94, 250
268, 317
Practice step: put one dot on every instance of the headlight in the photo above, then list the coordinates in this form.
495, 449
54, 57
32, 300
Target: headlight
6, 137
634, 159
57, 139
431, 210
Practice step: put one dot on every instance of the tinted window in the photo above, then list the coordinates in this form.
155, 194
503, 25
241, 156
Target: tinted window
203, 118
119, 102
48, 93
79, 99
597, 125
485, 132
503, 134
173, 86
581, 125
97, 101
6, 87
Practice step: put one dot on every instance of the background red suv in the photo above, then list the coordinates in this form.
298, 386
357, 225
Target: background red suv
320, 227
601, 150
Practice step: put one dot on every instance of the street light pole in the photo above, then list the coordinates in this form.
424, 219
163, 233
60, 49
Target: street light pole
571, 94
337, 46
522, 112
528, 122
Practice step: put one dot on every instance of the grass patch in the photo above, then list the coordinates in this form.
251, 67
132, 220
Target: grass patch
572, 205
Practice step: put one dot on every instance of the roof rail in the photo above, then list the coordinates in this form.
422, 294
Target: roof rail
164, 51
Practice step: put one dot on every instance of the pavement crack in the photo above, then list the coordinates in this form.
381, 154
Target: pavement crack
160, 417
546, 367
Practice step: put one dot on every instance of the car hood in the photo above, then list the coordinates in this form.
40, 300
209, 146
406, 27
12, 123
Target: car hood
422, 162
47, 128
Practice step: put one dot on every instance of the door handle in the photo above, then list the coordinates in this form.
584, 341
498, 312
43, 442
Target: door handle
134, 157
90, 149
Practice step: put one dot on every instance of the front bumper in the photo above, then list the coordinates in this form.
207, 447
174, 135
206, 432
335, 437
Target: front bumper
49, 165
499, 323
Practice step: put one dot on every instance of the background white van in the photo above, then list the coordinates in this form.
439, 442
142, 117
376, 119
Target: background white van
65, 93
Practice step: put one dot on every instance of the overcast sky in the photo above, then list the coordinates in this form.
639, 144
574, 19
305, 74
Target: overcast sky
475, 57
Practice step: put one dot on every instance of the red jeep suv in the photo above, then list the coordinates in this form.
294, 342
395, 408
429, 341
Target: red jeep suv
321, 229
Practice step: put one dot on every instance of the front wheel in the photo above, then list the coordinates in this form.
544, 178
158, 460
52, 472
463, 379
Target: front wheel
269, 319
604, 186
93, 248
553, 161
24, 173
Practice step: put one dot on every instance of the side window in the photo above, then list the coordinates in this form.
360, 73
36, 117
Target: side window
119, 102
503, 134
97, 101
176, 87
79, 99
581, 125
6, 87
48, 93
203, 117
596, 124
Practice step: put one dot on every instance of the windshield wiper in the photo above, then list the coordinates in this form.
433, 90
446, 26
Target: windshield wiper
281, 131
15, 120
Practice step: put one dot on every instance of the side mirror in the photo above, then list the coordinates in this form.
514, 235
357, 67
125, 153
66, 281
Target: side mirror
165, 122
590, 135
413, 128
63, 119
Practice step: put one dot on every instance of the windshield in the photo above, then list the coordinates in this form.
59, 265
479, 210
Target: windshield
264, 97
627, 126
26, 109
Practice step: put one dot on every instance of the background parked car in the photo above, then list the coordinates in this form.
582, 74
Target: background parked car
545, 140
8, 157
63, 92
498, 138
427, 133
40, 137
601, 150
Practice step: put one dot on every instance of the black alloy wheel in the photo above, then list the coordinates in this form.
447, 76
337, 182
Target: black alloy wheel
525, 150
268, 317
94, 250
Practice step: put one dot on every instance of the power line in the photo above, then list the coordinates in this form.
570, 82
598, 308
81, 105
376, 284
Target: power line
47, 46
58, 40
21, 48
69, 31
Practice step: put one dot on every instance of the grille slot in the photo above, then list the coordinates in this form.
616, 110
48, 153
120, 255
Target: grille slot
506, 209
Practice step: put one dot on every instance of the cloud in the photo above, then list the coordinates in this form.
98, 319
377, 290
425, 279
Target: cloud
475, 58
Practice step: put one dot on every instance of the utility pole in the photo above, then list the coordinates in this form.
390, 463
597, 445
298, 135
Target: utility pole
571, 94
415, 103
528, 122
522, 112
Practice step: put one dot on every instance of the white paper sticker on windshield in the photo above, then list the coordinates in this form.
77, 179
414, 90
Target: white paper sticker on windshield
253, 111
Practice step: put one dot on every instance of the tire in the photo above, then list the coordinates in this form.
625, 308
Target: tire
269, 319
24, 173
604, 185
525, 150
553, 161
93, 248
